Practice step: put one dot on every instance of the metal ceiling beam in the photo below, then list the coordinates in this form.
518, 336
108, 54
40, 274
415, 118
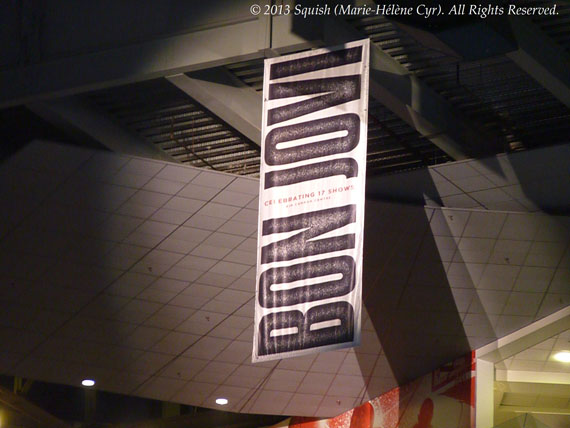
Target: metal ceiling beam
31, 411
194, 50
541, 57
228, 98
79, 118
413, 101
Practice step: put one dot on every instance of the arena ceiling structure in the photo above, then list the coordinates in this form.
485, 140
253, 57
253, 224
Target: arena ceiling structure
131, 151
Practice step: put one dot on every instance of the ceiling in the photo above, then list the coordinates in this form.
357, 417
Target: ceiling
129, 252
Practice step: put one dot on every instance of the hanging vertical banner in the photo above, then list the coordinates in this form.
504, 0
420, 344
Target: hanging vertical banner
311, 204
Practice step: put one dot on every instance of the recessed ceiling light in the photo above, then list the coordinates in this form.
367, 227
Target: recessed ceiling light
88, 382
222, 401
562, 356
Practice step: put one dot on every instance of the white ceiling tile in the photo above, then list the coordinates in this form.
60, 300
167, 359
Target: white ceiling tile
560, 281
245, 185
526, 365
271, 402
207, 348
143, 167
474, 250
534, 279
243, 284
156, 295
194, 392
202, 290
254, 204
238, 228
457, 170
249, 244
215, 372
216, 279
182, 274
509, 252
447, 222
490, 302
169, 317
152, 199
144, 239
472, 184
553, 302
513, 205
189, 206
242, 257
136, 210
533, 354
333, 405
520, 303
177, 245
170, 216
125, 178
490, 196
284, 380
224, 240
189, 234
144, 337
190, 302
159, 388
478, 325
213, 179
506, 324
223, 308
205, 222
174, 343
202, 193
236, 351
137, 311
484, 225
183, 368
148, 363
553, 229
498, 277
547, 254
210, 251
246, 215
234, 296
182, 174
344, 385
222, 211
233, 198
228, 268
519, 227
460, 201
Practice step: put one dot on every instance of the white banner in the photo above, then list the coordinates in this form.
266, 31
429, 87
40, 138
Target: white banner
311, 203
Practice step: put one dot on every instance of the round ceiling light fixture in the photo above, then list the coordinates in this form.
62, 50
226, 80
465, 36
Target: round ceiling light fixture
562, 356
88, 382
221, 401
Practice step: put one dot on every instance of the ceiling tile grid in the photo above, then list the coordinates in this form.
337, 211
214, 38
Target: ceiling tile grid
161, 304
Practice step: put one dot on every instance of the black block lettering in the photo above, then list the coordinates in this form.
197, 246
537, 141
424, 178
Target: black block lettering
316, 223
343, 265
305, 337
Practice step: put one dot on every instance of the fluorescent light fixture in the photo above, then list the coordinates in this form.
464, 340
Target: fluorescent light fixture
222, 401
562, 356
88, 382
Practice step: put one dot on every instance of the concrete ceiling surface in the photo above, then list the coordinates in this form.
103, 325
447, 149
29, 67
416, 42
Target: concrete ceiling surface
141, 274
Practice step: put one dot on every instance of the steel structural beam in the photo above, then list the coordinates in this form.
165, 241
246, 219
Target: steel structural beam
77, 117
228, 98
541, 57
413, 101
136, 62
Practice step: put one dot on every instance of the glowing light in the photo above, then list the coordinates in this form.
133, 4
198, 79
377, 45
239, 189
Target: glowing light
222, 401
562, 356
87, 382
